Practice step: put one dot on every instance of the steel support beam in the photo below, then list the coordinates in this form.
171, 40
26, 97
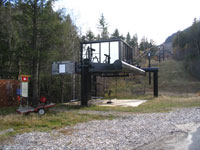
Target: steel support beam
155, 83
85, 84
155, 79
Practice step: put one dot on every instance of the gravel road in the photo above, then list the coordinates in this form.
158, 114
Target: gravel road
126, 132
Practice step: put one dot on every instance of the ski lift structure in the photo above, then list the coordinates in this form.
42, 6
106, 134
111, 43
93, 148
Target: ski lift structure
108, 58
105, 58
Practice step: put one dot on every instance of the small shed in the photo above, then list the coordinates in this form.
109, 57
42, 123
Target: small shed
8, 95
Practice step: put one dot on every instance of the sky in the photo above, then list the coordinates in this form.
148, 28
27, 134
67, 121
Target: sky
153, 19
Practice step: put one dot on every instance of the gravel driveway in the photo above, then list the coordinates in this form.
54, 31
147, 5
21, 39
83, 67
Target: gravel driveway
127, 132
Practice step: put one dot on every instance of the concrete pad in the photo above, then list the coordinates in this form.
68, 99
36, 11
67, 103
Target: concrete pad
123, 103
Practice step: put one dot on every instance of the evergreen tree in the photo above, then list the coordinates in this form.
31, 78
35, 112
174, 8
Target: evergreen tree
40, 13
143, 44
128, 38
115, 34
186, 44
90, 36
122, 37
8, 40
134, 41
194, 35
103, 27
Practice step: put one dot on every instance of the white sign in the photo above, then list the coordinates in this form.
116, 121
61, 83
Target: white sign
62, 68
24, 87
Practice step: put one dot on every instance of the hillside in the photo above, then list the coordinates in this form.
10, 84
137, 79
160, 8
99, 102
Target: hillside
173, 80
169, 39
185, 46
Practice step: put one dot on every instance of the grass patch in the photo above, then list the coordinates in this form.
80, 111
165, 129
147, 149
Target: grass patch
49, 121
7, 110
174, 78
160, 104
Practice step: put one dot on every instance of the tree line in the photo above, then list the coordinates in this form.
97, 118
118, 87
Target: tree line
186, 47
139, 48
32, 36
104, 34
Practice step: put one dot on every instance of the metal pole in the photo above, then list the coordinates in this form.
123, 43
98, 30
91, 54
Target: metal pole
155, 86
149, 57
116, 88
95, 85
82, 74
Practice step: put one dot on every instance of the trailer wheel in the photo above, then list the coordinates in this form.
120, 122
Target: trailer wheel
41, 111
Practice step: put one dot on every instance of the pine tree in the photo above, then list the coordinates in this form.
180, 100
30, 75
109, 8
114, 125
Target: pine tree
128, 38
134, 41
115, 34
90, 36
8, 40
38, 23
103, 27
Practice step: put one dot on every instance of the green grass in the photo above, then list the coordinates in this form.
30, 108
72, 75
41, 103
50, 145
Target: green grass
49, 121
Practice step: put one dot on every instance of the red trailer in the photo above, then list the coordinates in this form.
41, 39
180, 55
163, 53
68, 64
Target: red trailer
41, 108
